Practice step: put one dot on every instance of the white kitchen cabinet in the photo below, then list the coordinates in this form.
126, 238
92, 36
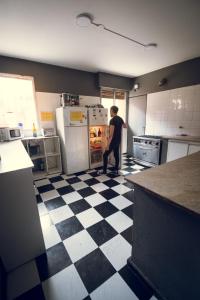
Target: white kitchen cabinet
176, 150
193, 149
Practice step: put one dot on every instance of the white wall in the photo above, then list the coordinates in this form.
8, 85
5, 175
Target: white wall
168, 110
48, 102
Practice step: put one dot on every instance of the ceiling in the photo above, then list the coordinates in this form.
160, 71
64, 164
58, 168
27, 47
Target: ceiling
46, 31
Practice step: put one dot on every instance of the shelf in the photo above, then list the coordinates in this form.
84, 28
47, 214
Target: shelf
39, 174
53, 154
37, 156
54, 170
94, 150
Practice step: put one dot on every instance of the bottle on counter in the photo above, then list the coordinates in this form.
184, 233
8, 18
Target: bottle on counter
99, 132
34, 130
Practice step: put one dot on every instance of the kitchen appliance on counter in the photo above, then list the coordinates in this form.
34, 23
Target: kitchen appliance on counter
147, 150
9, 134
98, 135
72, 127
67, 99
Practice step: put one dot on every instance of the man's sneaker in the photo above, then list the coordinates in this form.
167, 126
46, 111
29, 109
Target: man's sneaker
115, 172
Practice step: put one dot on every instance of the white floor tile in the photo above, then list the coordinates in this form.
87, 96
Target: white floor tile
51, 236
22, 279
117, 250
59, 184
153, 298
120, 179
120, 202
121, 189
42, 209
102, 178
95, 199
99, 187
138, 167
42, 182
71, 197
114, 288
89, 217
49, 195
119, 221
64, 176
59, 214
79, 185
79, 245
36, 191
135, 172
66, 284
45, 221
85, 177
122, 172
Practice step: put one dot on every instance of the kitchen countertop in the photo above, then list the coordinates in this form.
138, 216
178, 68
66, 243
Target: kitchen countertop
13, 157
185, 138
177, 181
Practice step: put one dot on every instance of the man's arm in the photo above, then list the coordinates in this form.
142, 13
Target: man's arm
124, 125
111, 131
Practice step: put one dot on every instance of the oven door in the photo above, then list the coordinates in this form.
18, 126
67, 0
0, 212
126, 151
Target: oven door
146, 153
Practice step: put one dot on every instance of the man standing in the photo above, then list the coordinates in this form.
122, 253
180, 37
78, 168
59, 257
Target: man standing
114, 141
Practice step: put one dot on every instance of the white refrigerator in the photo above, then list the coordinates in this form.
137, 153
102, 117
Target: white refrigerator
72, 127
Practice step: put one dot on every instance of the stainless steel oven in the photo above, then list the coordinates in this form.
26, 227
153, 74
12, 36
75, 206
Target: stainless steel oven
147, 150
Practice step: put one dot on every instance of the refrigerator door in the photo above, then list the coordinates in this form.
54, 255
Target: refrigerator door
98, 116
75, 116
76, 148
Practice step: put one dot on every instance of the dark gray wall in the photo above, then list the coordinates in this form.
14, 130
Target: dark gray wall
116, 82
178, 75
166, 246
54, 79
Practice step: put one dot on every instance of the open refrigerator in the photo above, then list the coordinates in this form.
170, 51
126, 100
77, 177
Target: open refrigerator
98, 135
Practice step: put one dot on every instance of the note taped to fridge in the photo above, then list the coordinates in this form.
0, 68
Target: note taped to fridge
76, 116
47, 116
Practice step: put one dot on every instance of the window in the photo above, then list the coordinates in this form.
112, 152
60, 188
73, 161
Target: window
17, 101
112, 97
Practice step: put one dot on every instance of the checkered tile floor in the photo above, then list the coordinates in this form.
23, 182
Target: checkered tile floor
87, 226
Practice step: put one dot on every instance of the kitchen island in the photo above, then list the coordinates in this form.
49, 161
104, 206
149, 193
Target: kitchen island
20, 229
166, 236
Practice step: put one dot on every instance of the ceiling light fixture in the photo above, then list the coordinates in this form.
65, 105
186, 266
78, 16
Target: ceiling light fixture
85, 19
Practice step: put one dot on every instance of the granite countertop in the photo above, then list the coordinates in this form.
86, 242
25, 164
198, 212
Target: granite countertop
13, 157
177, 181
184, 138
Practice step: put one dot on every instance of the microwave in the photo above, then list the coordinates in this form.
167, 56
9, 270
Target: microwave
10, 134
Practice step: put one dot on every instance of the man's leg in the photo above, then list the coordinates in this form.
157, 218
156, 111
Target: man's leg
105, 159
116, 155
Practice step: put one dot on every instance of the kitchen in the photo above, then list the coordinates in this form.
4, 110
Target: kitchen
83, 222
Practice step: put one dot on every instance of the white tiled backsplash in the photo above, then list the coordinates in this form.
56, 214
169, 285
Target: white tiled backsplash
167, 111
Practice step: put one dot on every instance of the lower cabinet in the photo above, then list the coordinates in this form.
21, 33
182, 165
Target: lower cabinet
180, 149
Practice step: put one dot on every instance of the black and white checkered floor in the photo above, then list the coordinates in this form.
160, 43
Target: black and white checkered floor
87, 226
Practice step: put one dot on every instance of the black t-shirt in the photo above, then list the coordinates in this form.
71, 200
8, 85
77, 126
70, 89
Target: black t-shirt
117, 122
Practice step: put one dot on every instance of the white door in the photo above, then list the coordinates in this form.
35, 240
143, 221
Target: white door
76, 143
75, 116
176, 150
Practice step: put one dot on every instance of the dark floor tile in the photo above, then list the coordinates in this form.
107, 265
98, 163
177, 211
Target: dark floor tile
129, 184
129, 195
101, 232
35, 293
128, 163
79, 206
87, 298
54, 203
128, 235
86, 192
69, 227
39, 199
128, 211
94, 174
94, 269
136, 283
110, 183
65, 190
106, 209
73, 180
108, 194
112, 175
54, 260
91, 181
128, 169
56, 178
45, 188
80, 173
